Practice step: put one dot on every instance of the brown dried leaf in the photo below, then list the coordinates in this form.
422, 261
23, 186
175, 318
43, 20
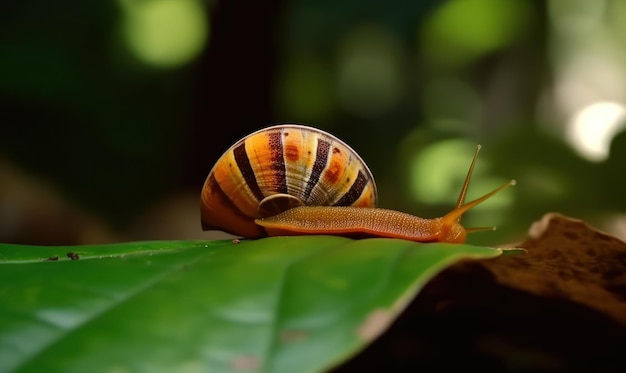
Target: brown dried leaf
567, 259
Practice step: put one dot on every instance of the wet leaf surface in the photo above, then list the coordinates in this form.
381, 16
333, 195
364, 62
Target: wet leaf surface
282, 304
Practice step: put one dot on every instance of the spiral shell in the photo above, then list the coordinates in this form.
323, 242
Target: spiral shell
278, 168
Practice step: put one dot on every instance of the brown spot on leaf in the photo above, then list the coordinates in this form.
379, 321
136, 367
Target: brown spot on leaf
602, 237
571, 235
293, 335
72, 256
246, 363
555, 255
375, 323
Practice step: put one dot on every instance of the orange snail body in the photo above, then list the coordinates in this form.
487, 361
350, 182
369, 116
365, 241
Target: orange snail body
349, 221
245, 192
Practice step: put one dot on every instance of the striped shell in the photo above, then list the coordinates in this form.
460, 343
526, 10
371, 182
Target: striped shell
278, 168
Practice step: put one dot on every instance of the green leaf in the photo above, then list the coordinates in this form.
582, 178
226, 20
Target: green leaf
282, 304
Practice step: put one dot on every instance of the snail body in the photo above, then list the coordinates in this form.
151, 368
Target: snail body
299, 180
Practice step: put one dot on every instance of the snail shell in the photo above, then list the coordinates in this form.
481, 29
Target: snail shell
278, 168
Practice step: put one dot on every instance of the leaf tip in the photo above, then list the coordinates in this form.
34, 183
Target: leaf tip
512, 250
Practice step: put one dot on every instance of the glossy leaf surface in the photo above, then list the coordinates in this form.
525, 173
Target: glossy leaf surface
282, 304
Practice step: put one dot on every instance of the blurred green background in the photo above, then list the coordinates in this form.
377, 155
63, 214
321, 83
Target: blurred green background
114, 112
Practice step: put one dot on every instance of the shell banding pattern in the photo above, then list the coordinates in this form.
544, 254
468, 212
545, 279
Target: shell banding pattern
290, 162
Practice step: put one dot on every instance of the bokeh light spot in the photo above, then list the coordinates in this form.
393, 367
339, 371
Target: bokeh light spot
438, 172
593, 127
164, 33
462, 30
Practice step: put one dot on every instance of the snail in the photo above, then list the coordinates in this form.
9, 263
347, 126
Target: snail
297, 180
